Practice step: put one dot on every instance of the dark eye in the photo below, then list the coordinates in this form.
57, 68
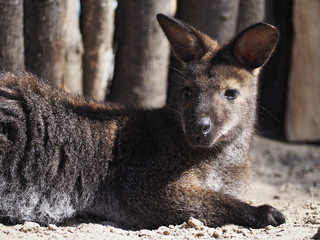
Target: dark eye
231, 94
187, 92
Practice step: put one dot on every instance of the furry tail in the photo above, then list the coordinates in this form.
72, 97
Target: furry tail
26, 171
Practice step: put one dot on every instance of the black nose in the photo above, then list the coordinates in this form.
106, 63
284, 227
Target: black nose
205, 125
200, 127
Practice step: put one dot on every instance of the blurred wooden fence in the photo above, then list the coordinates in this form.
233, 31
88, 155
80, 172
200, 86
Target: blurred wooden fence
87, 47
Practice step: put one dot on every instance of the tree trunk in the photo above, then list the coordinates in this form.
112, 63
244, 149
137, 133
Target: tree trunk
72, 76
216, 18
303, 113
11, 35
142, 56
250, 12
44, 38
97, 29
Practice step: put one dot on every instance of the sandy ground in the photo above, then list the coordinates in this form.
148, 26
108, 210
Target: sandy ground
287, 177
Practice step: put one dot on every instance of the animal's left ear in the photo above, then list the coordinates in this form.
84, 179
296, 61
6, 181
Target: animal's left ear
253, 46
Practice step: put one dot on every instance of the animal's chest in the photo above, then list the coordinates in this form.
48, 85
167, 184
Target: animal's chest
215, 176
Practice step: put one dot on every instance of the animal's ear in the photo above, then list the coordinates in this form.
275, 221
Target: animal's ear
254, 45
186, 42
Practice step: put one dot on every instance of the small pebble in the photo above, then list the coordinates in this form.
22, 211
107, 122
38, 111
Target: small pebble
30, 226
313, 207
195, 222
184, 225
268, 227
216, 235
52, 227
143, 232
199, 234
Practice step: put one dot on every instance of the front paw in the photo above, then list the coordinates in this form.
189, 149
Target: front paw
266, 215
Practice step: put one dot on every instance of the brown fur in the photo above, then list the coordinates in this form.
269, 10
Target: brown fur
62, 156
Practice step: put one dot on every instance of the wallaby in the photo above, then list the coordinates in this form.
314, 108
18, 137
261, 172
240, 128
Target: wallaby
64, 156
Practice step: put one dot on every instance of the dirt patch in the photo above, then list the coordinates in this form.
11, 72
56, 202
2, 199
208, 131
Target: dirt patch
287, 177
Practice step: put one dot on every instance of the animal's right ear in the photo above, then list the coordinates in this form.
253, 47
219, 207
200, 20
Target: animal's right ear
186, 42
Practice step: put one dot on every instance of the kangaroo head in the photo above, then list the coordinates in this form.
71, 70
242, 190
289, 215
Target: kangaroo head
216, 93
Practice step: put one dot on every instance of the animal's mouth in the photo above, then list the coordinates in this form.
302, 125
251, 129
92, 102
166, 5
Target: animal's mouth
200, 132
204, 141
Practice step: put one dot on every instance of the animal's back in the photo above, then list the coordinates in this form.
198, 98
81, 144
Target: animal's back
50, 158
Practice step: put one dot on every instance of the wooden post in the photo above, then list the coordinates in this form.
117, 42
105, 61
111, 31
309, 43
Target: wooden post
250, 12
72, 75
142, 56
97, 19
215, 18
44, 38
303, 112
11, 35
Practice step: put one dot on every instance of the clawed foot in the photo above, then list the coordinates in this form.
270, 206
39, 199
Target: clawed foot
266, 215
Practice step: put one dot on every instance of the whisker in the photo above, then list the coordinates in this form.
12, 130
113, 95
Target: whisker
173, 110
267, 111
182, 73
